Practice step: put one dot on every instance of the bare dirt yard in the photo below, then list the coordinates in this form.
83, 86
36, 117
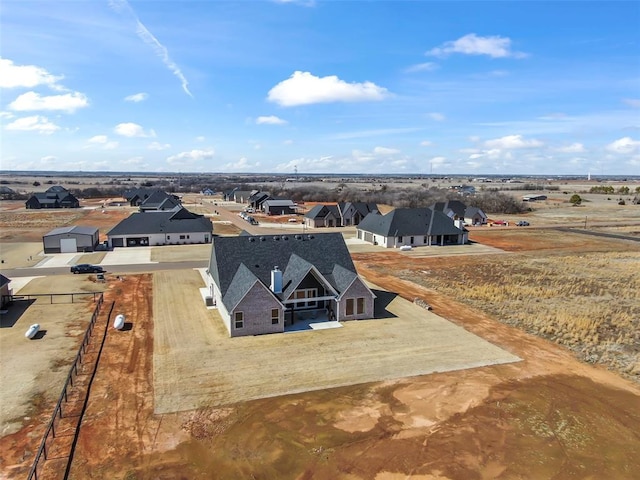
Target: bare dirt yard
564, 303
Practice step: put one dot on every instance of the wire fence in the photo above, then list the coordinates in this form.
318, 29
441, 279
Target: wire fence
43, 452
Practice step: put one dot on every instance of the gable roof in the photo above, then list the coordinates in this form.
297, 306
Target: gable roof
363, 208
295, 255
4, 280
57, 189
409, 221
471, 211
321, 211
178, 220
278, 203
159, 200
455, 206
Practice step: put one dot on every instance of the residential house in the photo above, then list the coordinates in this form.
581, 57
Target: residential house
262, 284
53, 197
322, 216
278, 207
228, 195
457, 210
5, 291
159, 200
242, 196
411, 226
534, 198
352, 213
170, 227
207, 192
257, 199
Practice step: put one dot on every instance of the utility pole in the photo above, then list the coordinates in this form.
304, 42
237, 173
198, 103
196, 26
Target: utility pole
585, 222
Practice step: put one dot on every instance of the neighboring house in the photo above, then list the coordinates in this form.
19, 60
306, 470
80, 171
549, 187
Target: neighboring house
54, 197
534, 198
257, 199
352, 213
475, 216
137, 196
322, 216
411, 226
71, 239
242, 196
5, 291
452, 208
260, 284
174, 227
207, 192
457, 210
228, 195
278, 207
159, 200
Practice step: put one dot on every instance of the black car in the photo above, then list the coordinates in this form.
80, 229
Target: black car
87, 268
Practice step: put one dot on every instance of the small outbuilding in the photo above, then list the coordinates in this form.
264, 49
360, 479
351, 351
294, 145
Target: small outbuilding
71, 239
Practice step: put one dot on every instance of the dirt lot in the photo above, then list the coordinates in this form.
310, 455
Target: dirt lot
195, 364
549, 416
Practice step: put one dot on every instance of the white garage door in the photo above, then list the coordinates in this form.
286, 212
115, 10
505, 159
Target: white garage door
68, 245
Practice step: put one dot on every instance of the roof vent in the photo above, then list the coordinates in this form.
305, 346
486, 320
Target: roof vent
285, 237
298, 237
251, 239
262, 239
276, 238
310, 237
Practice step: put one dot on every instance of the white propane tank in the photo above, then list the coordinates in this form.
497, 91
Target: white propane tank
118, 324
33, 329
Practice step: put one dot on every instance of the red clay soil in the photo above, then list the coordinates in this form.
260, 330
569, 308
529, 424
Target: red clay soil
547, 417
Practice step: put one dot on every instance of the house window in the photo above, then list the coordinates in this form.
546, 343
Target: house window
424, 240
349, 306
310, 293
400, 239
360, 305
239, 320
168, 237
182, 237
275, 316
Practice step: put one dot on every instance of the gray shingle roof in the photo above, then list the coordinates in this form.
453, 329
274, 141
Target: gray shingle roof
456, 206
79, 230
179, 220
159, 200
321, 211
293, 254
409, 221
3, 280
278, 203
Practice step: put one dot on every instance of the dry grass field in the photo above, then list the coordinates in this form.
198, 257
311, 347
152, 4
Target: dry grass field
564, 303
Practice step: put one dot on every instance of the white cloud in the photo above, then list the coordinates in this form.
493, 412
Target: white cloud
191, 157
48, 159
130, 130
438, 162
34, 123
632, 102
624, 145
373, 133
472, 44
98, 139
385, 151
512, 142
122, 6
426, 143
270, 120
303, 88
573, 148
69, 102
6, 115
158, 146
422, 67
103, 140
438, 117
133, 161
26, 76
242, 165
200, 139
287, 142
137, 97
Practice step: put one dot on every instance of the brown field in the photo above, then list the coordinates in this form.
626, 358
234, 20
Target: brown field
565, 303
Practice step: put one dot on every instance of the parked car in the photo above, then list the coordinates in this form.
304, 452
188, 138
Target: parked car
87, 268
522, 223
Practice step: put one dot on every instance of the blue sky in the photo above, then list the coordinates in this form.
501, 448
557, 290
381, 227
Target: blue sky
506, 87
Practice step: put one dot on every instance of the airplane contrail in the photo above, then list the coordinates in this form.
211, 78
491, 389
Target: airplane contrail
123, 7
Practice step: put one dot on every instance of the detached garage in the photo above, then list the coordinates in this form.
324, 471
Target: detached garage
71, 240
